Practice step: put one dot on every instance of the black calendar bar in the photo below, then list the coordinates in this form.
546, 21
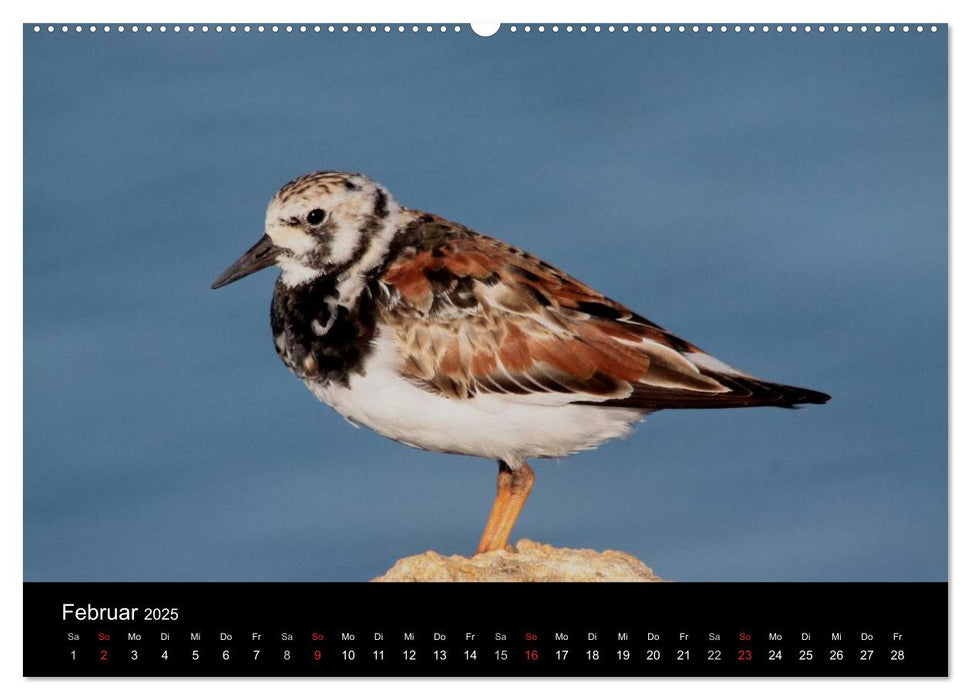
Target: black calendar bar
337, 629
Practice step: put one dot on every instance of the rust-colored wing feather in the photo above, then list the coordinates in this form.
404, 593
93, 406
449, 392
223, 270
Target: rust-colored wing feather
473, 315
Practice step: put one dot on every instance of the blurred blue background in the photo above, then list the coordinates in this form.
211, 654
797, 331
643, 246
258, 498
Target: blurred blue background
780, 200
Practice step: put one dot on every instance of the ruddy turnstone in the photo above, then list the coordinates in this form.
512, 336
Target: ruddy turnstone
445, 339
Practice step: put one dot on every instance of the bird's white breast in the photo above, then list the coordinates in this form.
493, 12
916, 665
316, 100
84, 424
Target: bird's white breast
505, 427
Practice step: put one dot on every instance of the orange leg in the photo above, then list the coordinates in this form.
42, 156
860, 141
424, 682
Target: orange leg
512, 490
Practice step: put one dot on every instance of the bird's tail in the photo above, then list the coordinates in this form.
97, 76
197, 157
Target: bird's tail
742, 392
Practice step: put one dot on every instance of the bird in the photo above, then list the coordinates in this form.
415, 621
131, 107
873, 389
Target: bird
448, 340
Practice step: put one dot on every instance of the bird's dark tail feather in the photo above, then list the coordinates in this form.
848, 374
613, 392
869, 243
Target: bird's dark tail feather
744, 392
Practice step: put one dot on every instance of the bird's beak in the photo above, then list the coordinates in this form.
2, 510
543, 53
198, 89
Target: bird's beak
260, 256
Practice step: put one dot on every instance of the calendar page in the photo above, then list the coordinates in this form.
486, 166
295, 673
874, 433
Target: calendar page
396, 349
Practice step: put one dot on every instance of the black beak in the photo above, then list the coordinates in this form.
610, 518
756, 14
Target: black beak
260, 256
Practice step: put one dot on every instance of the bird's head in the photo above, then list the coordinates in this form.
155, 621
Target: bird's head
323, 223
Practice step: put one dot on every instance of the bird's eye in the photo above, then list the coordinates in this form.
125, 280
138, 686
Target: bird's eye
315, 216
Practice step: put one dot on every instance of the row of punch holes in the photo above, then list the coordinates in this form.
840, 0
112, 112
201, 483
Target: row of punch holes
485, 30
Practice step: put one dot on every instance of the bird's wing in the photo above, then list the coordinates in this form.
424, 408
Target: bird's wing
472, 315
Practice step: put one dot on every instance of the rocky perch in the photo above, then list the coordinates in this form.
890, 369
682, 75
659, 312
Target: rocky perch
528, 561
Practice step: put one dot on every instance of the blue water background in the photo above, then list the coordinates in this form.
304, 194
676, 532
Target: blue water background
779, 200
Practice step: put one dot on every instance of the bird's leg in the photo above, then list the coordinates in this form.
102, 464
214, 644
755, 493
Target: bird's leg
523, 478
503, 484
512, 490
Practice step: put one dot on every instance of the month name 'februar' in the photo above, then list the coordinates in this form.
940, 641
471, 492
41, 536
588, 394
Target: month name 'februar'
89, 612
